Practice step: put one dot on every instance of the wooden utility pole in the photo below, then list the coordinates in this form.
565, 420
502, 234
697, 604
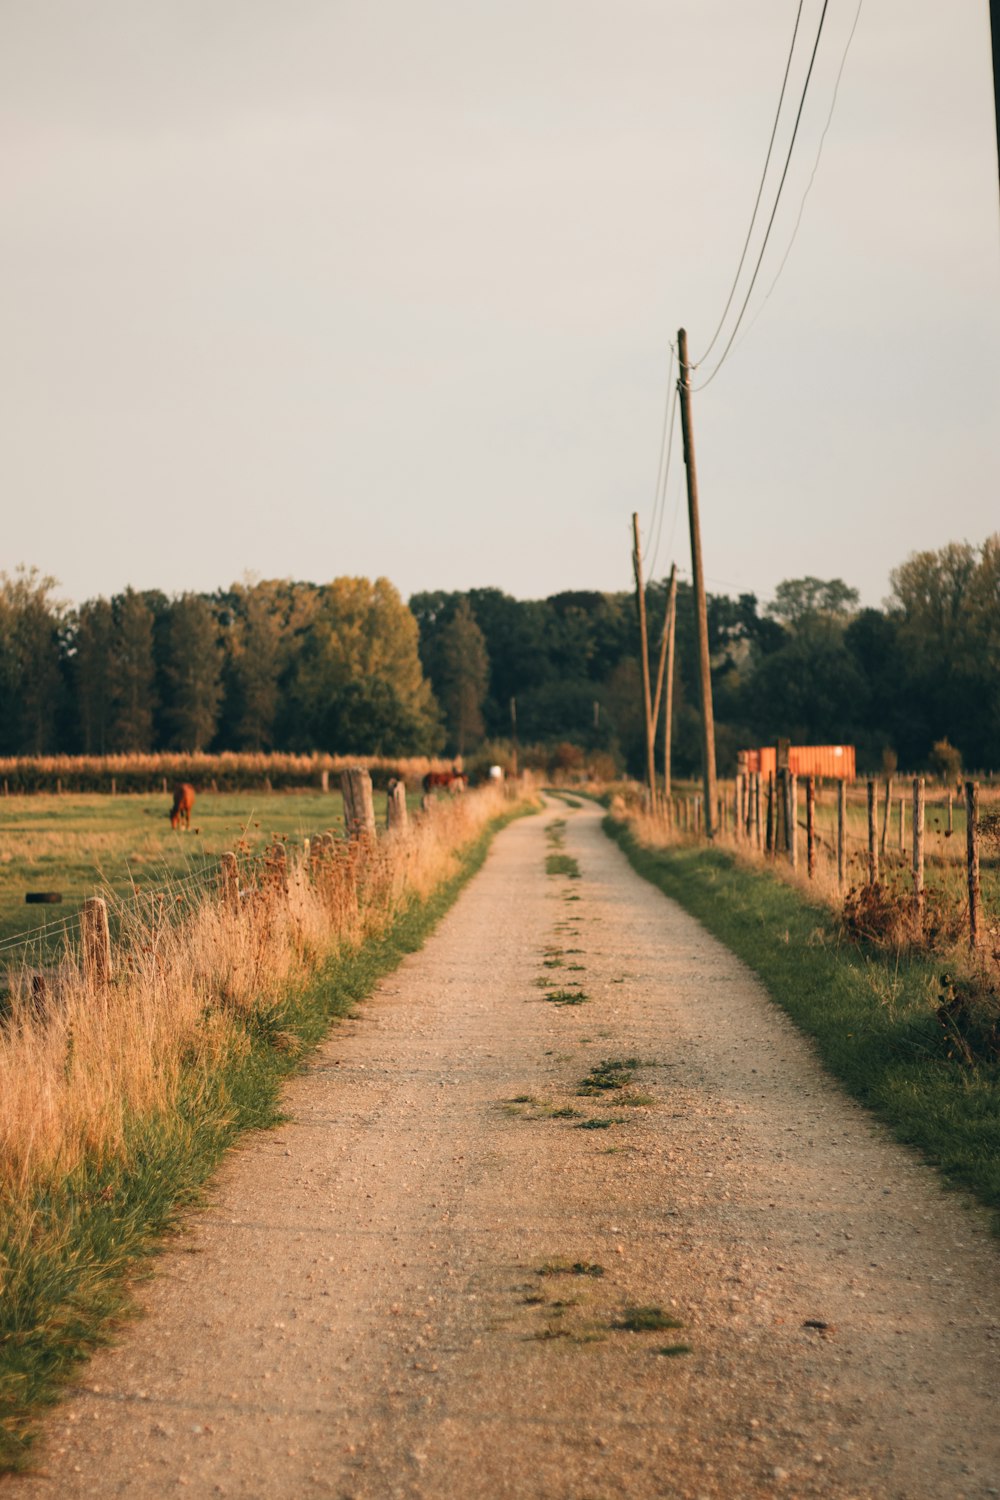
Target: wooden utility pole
668, 707
995, 32
640, 596
698, 579
666, 650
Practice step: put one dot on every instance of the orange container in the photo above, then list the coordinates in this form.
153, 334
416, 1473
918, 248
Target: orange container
833, 761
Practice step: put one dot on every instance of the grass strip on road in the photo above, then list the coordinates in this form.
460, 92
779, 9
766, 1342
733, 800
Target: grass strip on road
66, 1254
871, 1014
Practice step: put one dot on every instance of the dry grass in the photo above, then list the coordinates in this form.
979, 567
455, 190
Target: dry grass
229, 770
80, 1066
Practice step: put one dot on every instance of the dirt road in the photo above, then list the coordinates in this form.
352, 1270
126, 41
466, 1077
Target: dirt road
416, 1288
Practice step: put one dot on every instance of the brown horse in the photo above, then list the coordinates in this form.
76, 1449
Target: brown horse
449, 781
183, 803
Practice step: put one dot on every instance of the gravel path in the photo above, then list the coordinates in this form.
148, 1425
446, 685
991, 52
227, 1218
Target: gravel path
397, 1293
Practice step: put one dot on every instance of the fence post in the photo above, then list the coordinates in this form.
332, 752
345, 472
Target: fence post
972, 860
841, 832
229, 880
888, 813
811, 825
737, 806
359, 807
756, 812
872, 832
769, 837
918, 852
324, 781
951, 812
96, 945
902, 824
792, 816
697, 817
396, 819
114, 787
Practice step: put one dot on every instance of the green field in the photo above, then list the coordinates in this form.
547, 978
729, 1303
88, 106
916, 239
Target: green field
79, 844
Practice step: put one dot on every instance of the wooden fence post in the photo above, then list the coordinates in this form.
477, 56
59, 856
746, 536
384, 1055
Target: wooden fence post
96, 942
872, 832
841, 832
738, 806
359, 807
888, 813
324, 781
277, 867
918, 852
396, 819
756, 812
902, 824
972, 861
229, 880
811, 826
697, 816
114, 787
792, 815
951, 812
769, 839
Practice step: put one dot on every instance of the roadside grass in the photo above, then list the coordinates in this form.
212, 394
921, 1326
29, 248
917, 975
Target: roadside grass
871, 1014
77, 842
70, 1242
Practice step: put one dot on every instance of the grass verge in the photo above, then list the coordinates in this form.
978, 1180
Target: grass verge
67, 1251
872, 1016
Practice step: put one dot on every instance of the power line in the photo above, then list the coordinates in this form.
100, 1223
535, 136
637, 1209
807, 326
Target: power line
667, 417
777, 200
760, 190
805, 195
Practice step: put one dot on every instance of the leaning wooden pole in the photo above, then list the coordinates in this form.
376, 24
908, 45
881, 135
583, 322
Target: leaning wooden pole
664, 644
640, 596
668, 707
698, 579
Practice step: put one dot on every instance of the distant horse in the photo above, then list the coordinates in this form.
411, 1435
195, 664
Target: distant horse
450, 781
183, 803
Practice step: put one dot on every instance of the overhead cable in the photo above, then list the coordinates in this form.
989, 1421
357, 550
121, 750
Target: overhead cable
760, 190
774, 210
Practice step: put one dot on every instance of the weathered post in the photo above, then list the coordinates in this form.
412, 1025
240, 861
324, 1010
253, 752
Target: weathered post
359, 806
792, 783
229, 880
738, 806
918, 852
841, 832
324, 781
811, 826
770, 813
951, 812
888, 812
697, 817
972, 861
277, 867
114, 786
902, 824
872, 832
396, 819
96, 943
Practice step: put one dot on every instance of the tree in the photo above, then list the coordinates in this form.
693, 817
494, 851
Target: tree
464, 677
93, 674
30, 663
257, 654
193, 670
798, 599
361, 632
134, 673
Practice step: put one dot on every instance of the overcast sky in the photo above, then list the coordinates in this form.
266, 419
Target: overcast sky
328, 287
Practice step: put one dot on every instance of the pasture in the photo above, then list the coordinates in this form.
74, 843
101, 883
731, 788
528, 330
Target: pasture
79, 843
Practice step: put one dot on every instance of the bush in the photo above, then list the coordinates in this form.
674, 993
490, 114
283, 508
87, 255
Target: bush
945, 760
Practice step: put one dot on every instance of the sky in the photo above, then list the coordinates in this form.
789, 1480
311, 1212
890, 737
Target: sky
373, 288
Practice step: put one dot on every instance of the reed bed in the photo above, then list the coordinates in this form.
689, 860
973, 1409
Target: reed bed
227, 771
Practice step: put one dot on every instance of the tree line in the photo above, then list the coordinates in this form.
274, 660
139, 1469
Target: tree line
350, 668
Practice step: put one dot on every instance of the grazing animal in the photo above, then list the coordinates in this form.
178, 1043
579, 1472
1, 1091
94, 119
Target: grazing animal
450, 781
183, 803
